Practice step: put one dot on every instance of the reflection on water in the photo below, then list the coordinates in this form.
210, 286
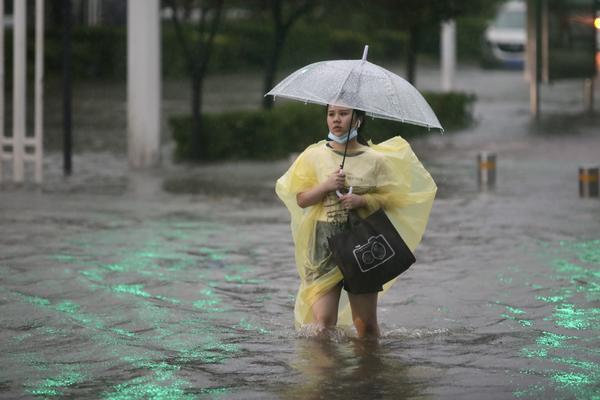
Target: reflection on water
348, 369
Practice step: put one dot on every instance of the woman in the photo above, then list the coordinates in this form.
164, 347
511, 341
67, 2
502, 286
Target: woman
387, 175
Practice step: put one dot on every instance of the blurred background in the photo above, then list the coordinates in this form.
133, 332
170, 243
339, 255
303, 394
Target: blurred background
218, 58
241, 49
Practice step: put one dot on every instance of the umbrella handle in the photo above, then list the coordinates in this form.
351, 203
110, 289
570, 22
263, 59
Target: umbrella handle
339, 194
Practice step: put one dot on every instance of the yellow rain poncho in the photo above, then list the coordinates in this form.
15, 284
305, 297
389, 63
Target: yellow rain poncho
388, 175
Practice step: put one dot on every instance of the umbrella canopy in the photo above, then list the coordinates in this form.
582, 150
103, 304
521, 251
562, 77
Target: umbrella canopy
360, 85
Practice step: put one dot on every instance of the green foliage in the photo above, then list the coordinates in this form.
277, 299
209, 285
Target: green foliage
252, 134
98, 52
469, 34
291, 126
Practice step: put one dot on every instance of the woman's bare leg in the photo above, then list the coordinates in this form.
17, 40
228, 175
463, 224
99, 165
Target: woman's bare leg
325, 309
364, 314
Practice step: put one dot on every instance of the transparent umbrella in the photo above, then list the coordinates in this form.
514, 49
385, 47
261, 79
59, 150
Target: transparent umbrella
360, 85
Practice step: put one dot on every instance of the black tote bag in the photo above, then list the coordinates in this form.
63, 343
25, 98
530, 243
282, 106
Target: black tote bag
369, 252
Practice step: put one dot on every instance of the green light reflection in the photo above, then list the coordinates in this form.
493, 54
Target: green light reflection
209, 303
553, 299
154, 387
568, 299
551, 339
55, 386
572, 317
126, 267
136, 290
570, 379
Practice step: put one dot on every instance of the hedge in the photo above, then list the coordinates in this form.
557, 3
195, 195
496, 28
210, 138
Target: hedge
291, 126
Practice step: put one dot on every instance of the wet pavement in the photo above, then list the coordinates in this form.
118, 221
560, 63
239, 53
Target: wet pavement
178, 282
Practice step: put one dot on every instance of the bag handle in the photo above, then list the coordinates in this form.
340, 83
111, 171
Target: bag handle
340, 194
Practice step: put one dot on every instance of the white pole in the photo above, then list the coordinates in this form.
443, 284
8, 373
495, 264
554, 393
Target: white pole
98, 12
94, 12
1, 89
143, 82
19, 76
90, 13
39, 89
448, 50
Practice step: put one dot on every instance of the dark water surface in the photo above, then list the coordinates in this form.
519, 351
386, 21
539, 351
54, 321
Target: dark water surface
179, 283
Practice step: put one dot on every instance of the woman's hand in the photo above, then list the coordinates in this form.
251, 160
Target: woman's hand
335, 181
310, 197
351, 201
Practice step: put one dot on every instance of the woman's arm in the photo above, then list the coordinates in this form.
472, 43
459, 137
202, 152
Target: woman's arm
314, 195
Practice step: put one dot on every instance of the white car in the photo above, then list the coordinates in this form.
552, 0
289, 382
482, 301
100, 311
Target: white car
504, 39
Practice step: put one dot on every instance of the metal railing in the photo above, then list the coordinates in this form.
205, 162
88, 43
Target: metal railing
20, 147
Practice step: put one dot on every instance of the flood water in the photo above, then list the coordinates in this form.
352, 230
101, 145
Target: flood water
178, 282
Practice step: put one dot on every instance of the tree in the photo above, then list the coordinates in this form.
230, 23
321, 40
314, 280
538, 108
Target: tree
282, 25
197, 49
418, 17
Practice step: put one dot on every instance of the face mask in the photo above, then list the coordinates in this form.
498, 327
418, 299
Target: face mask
343, 139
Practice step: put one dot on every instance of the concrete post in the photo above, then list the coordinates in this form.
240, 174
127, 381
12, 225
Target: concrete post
486, 169
39, 91
588, 94
448, 50
588, 181
534, 54
143, 83
19, 89
94, 12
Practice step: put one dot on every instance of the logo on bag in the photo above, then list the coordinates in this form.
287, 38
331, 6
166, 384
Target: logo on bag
372, 254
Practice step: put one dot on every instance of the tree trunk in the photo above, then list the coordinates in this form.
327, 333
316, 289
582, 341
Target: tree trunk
272, 67
411, 53
282, 28
196, 134
198, 55
54, 14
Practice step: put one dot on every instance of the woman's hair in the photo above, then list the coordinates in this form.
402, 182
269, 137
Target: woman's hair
358, 114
